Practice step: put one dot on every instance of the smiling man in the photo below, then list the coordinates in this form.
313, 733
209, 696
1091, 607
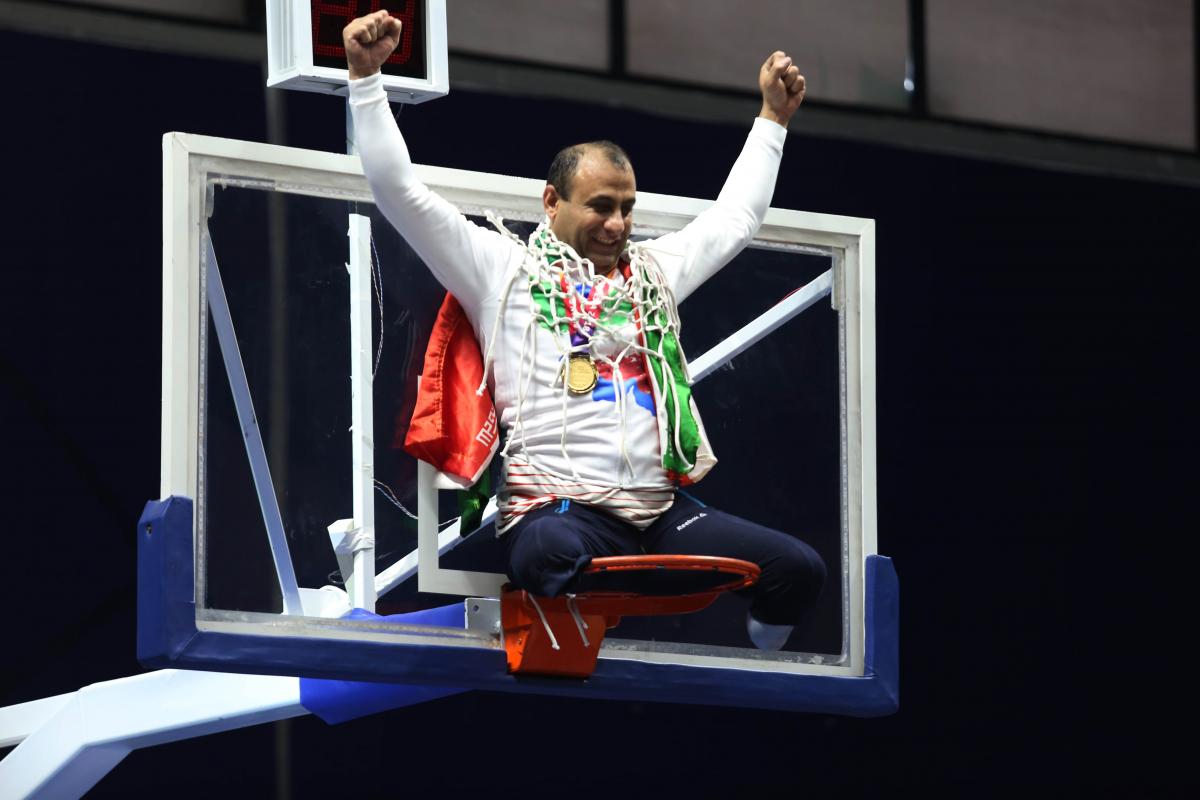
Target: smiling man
580, 331
589, 199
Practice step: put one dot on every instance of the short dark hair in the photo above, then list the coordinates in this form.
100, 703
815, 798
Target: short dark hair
562, 168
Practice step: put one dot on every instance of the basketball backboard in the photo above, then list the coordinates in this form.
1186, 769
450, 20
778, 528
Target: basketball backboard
288, 375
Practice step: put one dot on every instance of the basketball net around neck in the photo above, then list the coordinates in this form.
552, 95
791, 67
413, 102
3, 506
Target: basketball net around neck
643, 295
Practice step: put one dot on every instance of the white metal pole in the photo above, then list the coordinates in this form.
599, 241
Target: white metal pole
351, 139
243, 403
362, 585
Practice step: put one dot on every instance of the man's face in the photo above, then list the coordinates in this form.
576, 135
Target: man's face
596, 221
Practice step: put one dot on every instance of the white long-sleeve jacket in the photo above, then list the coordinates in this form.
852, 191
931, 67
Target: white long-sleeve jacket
601, 448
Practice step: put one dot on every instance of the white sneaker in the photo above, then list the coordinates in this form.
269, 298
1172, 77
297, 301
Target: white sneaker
767, 637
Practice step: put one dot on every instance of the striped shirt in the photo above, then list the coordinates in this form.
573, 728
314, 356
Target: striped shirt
528, 487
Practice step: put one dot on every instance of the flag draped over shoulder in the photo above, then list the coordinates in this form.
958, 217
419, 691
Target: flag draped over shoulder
453, 428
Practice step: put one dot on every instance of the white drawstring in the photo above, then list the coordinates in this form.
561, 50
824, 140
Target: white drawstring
545, 624
580, 623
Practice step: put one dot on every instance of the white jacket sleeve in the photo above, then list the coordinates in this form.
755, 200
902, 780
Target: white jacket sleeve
709, 242
470, 261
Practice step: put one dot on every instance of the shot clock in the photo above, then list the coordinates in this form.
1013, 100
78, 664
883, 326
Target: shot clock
304, 46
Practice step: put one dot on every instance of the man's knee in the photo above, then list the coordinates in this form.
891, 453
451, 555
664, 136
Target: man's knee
791, 582
545, 556
803, 568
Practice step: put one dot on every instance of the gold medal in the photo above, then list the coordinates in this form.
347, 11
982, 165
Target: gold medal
581, 374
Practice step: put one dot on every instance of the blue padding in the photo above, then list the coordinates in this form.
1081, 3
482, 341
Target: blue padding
341, 701
883, 630
451, 616
166, 608
168, 636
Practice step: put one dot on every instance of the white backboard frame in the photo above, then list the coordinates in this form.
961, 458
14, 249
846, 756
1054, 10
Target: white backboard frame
194, 164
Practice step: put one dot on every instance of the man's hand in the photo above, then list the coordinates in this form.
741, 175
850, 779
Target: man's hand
782, 88
369, 41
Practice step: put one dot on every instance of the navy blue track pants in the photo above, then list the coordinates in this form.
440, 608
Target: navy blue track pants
553, 544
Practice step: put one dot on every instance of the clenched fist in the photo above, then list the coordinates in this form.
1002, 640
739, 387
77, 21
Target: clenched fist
782, 88
369, 41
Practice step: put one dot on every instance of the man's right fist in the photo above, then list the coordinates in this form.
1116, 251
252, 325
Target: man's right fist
369, 41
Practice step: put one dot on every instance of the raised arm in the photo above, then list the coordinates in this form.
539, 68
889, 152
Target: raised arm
469, 261
711, 240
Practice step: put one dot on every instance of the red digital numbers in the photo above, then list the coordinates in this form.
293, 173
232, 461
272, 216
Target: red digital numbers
328, 19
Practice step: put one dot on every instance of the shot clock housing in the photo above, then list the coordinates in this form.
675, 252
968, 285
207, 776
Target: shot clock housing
304, 47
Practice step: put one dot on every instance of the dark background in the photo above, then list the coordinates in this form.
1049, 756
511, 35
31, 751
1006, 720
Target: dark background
1035, 435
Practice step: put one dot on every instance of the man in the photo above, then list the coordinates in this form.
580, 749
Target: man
580, 331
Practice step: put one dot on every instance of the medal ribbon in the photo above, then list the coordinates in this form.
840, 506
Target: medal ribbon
582, 313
